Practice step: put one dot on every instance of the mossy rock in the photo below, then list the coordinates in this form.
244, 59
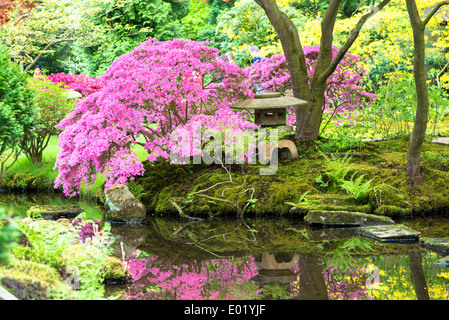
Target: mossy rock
114, 268
440, 245
54, 212
333, 202
390, 201
124, 206
344, 219
116, 271
29, 280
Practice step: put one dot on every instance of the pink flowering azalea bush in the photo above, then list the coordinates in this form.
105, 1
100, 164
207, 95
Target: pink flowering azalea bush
155, 90
78, 82
344, 93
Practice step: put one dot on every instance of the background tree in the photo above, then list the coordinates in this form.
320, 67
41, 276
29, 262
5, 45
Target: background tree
128, 26
20, 7
51, 22
422, 110
16, 110
246, 24
308, 118
53, 104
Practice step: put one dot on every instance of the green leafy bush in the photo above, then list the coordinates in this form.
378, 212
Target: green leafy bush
16, 110
8, 238
53, 105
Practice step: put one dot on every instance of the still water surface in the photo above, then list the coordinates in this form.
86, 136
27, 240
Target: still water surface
263, 258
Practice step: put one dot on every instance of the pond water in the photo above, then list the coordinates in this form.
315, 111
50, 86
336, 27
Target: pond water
263, 258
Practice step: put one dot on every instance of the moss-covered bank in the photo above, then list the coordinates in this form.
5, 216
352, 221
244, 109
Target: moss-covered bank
201, 190
206, 190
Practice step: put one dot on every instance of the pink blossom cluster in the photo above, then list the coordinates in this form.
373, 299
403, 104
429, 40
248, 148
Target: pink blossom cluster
147, 94
344, 92
201, 280
78, 82
87, 230
178, 86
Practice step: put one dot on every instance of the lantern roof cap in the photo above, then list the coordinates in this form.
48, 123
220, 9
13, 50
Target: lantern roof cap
269, 100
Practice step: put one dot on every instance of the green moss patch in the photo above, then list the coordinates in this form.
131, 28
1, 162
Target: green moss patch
392, 192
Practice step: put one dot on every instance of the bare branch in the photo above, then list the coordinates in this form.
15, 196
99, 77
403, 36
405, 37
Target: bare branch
352, 37
433, 11
48, 46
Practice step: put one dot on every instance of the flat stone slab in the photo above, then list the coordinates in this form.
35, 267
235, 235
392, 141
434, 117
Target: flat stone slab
344, 219
394, 233
440, 245
48, 212
441, 140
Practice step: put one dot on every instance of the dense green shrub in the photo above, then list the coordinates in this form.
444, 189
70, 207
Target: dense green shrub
53, 104
16, 110
8, 238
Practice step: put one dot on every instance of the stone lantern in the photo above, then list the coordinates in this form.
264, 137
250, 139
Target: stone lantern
270, 110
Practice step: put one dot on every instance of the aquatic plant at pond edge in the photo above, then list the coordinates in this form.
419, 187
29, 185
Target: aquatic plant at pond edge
60, 247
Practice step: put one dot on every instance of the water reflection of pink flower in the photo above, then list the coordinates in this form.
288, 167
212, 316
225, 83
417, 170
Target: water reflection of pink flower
213, 279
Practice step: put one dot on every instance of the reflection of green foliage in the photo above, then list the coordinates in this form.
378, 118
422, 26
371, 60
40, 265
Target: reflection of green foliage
8, 237
340, 256
276, 291
16, 109
396, 282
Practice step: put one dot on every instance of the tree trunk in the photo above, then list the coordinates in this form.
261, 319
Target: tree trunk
417, 274
296, 61
311, 279
36, 158
309, 117
422, 107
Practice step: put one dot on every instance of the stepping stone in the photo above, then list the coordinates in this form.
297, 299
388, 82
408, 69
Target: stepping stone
395, 233
444, 262
440, 245
54, 212
344, 219
441, 140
